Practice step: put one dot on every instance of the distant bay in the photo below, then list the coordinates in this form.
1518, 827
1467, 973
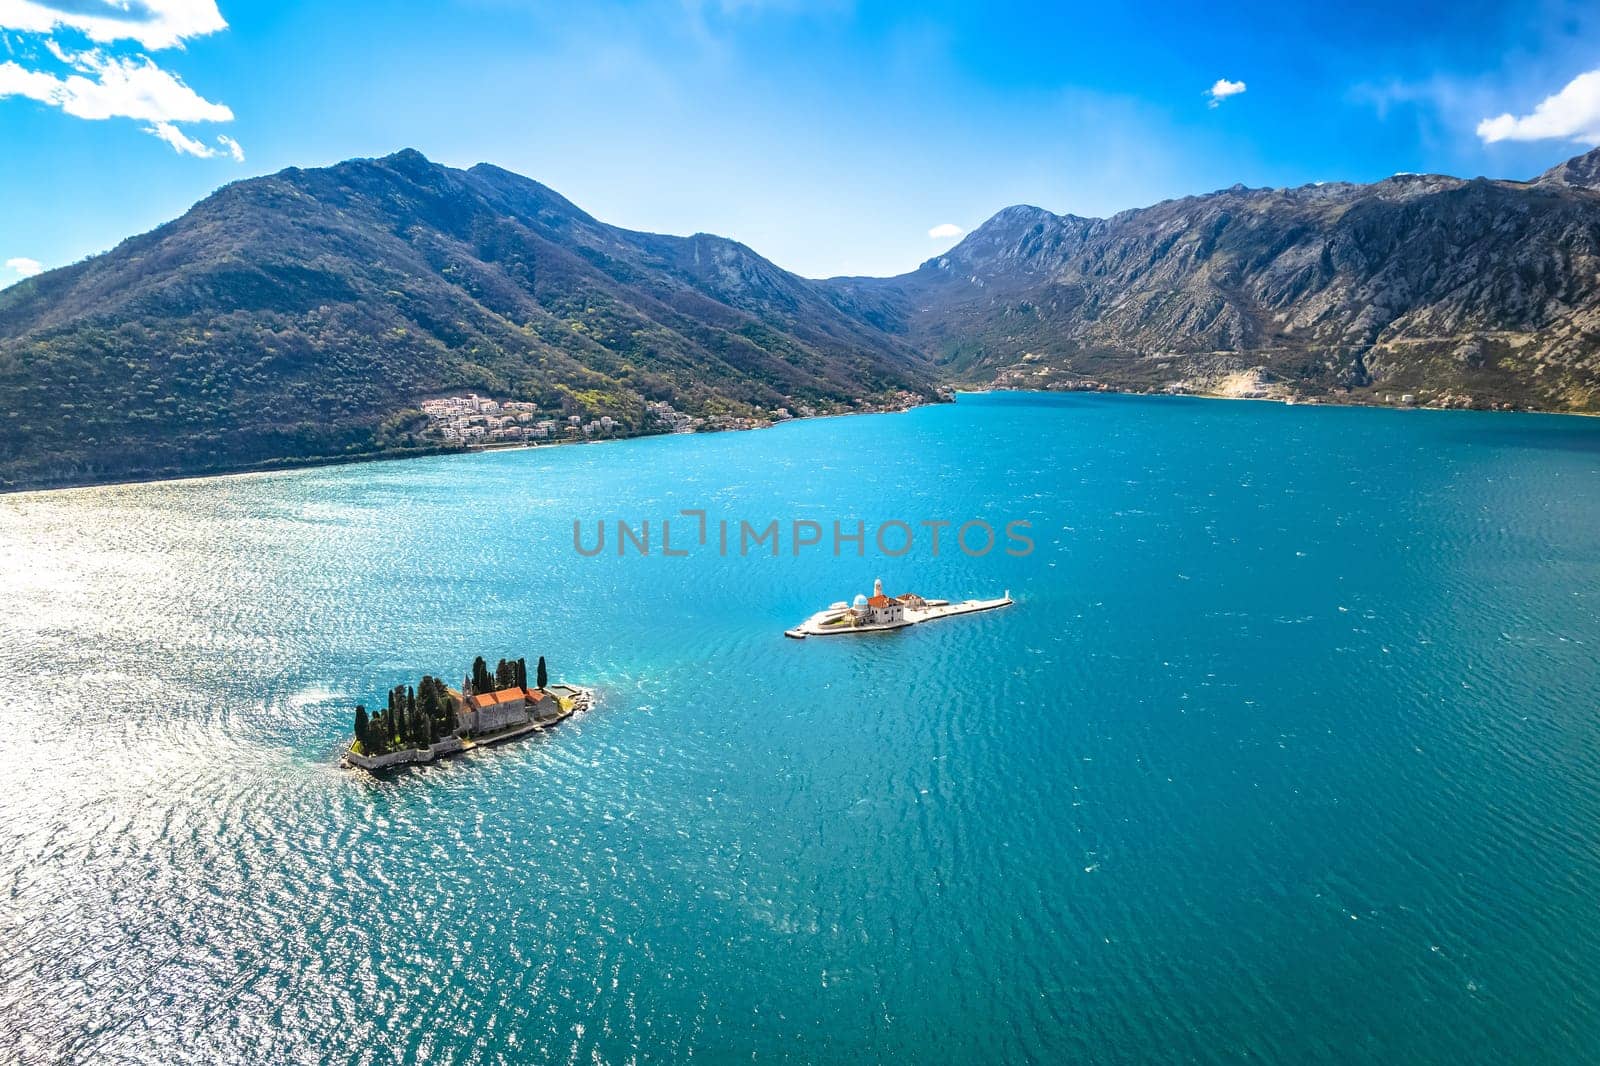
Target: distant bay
1288, 751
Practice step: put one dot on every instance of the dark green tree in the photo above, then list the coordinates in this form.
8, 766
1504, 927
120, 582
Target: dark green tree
428, 707
446, 712
361, 725
505, 674
522, 673
376, 742
544, 676
481, 682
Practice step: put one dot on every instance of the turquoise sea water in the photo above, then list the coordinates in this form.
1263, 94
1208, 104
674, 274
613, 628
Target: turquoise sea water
1288, 752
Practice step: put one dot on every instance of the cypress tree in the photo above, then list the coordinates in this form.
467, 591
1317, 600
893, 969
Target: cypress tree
544, 676
445, 709
361, 725
522, 673
450, 722
480, 676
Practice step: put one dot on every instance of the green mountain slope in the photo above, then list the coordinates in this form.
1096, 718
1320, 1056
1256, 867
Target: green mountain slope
304, 315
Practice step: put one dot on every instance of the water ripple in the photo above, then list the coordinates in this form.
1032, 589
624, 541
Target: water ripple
1286, 753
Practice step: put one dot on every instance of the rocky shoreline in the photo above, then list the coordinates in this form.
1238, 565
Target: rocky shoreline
1257, 383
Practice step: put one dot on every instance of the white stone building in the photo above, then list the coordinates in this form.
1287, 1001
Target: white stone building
878, 609
490, 712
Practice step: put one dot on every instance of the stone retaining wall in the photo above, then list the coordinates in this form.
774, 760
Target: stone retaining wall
447, 746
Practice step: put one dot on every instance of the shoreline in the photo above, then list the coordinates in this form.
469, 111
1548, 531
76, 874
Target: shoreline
1294, 401
289, 466
311, 463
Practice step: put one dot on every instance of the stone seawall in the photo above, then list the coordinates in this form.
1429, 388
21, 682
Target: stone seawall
411, 756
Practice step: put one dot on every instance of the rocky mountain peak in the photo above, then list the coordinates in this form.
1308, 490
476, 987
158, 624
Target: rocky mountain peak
1581, 172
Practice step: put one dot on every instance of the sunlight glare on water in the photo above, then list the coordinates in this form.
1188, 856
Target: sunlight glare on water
1288, 751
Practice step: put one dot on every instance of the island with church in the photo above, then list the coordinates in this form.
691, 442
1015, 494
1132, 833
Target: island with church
431, 720
881, 613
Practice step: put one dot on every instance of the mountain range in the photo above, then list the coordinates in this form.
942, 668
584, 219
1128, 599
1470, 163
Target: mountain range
305, 315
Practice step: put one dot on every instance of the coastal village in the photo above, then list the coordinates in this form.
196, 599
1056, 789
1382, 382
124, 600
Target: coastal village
474, 421
432, 720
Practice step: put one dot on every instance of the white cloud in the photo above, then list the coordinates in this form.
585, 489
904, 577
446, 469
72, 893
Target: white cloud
108, 87
1571, 114
184, 144
104, 87
945, 230
1222, 89
24, 267
154, 24
101, 84
36, 84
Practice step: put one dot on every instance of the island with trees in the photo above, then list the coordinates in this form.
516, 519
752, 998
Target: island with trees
431, 720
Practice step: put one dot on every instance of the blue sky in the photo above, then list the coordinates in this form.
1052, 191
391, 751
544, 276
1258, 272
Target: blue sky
831, 137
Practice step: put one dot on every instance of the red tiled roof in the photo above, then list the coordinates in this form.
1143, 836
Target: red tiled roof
505, 695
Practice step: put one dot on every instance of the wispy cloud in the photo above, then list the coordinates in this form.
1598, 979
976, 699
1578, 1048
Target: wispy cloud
154, 24
1222, 89
184, 144
945, 230
24, 267
108, 87
1573, 114
98, 83
1441, 108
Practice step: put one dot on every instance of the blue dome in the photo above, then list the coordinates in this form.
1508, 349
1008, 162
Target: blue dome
861, 600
